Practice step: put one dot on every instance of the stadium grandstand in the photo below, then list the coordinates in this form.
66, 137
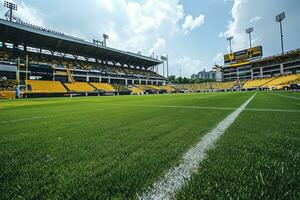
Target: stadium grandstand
41, 62
37, 62
273, 66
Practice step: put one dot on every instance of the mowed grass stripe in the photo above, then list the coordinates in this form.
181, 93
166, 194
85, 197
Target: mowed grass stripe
177, 176
257, 158
113, 152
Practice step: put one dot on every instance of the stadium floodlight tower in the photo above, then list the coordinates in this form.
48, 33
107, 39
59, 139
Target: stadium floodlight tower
229, 40
249, 31
11, 7
280, 18
105, 37
166, 58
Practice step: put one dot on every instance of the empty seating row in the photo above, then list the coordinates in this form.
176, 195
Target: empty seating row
38, 86
106, 87
80, 87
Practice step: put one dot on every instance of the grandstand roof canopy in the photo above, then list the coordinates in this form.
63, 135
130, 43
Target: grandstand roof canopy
45, 39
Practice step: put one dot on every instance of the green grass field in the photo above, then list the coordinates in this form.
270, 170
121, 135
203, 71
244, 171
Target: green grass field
117, 147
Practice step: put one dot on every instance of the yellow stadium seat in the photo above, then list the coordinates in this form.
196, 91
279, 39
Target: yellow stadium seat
136, 90
38, 86
256, 83
282, 80
104, 86
80, 87
7, 94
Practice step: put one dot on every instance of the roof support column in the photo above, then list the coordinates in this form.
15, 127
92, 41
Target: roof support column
281, 68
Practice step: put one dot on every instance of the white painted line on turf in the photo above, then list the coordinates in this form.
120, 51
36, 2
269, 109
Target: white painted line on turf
270, 110
176, 177
287, 96
170, 106
202, 107
24, 119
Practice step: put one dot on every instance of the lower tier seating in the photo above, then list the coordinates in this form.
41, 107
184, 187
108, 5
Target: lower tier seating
282, 80
168, 88
37, 86
7, 94
8, 85
106, 87
136, 90
256, 83
80, 87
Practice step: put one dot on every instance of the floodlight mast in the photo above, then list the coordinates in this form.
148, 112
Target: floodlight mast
229, 39
280, 18
105, 37
249, 31
166, 58
11, 7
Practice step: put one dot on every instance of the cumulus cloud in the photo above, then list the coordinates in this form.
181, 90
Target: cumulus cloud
235, 27
158, 47
188, 66
190, 23
255, 19
219, 59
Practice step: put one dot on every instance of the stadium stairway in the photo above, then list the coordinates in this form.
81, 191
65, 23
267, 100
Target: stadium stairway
106, 87
121, 89
80, 87
136, 90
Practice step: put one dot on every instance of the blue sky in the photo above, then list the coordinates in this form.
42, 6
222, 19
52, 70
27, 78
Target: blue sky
192, 32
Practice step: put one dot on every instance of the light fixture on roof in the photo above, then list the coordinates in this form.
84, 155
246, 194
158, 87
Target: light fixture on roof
11, 7
165, 58
105, 37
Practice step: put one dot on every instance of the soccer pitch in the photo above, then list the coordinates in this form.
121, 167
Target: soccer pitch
118, 147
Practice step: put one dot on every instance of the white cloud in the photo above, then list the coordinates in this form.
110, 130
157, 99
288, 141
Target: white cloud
190, 23
255, 19
221, 34
219, 59
158, 47
188, 66
236, 26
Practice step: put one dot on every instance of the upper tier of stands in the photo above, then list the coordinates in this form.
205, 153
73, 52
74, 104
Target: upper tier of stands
64, 62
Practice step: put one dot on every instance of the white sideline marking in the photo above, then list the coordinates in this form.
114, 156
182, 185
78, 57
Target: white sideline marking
24, 119
166, 106
203, 107
176, 177
271, 110
283, 95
